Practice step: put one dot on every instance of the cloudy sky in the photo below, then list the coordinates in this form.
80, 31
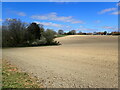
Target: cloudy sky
80, 16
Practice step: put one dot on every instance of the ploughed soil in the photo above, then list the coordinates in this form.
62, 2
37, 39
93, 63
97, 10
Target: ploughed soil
80, 62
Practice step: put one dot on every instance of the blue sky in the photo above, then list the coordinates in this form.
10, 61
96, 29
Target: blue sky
80, 16
60, 0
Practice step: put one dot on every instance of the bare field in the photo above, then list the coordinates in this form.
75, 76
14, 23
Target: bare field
80, 62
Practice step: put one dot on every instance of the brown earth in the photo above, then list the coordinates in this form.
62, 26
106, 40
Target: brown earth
80, 62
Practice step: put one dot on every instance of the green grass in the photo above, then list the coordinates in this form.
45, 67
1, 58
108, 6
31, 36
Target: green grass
12, 77
61, 35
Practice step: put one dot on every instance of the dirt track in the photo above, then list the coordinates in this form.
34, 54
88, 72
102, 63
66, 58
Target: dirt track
81, 61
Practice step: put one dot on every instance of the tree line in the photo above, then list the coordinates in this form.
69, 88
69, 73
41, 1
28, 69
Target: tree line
73, 32
16, 33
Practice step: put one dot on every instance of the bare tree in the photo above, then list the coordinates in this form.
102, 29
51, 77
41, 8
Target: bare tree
13, 32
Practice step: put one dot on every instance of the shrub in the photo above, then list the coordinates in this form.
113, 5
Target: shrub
13, 33
60, 32
49, 36
56, 43
72, 32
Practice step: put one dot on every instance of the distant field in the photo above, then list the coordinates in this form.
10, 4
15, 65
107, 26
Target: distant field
81, 61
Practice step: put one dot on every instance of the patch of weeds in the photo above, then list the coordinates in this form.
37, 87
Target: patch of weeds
14, 78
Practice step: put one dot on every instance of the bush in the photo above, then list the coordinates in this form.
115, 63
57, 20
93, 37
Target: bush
72, 32
49, 36
39, 42
56, 43
61, 32
13, 33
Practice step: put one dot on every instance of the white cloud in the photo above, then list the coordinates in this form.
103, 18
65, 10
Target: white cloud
49, 24
97, 21
1, 20
81, 26
86, 29
107, 10
21, 13
116, 13
110, 27
53, 16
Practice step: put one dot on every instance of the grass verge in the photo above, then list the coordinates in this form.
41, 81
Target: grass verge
12, 77
61, 36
